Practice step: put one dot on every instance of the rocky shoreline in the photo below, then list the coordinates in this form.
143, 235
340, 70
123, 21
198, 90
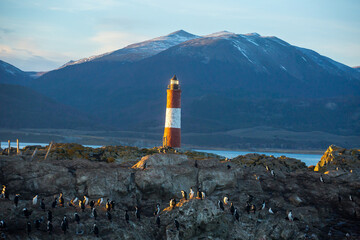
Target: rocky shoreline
327, 209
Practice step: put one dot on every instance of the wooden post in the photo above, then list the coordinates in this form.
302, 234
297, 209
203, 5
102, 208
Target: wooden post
48, 150
17, 147
9, 147
33, 155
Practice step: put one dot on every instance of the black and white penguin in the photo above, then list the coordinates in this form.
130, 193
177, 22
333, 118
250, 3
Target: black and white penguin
42, 204
100, 201
16, 199
196, 164
127, 216
2, 225
108, 215
82, 205
94, 213
263, 205
184, 195
28, 228
271, 211
177, 224
221, 205
61, 200
290, 216
199, 194
351, 198
321, 178
226, 200
96, 230
228, 166
66, 222
35, 200
37, 224
49, 227
191, 193
272, 173
49, 215
250, 198
112, 204
63, 226
157, 209
236, 214
77, 218
26, 212
92, 204
108, 205
86, 200
137, 213
158, 221
232, 208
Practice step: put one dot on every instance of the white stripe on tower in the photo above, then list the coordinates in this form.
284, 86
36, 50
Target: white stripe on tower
173, 118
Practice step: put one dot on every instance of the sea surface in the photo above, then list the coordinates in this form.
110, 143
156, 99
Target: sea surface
308, 159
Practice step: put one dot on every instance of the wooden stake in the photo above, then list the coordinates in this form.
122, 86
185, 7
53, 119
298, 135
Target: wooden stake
9, 147
34, 153
17, 147
48, 150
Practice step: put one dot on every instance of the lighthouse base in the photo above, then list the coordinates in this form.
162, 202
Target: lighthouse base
172, 137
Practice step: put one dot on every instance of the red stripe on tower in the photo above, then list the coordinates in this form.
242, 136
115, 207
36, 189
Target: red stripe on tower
172, 132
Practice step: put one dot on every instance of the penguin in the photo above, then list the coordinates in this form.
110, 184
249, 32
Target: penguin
351, 198
144, 166
203, 195
248, 207
272, 173
94, 213
271, 211
191, 194
61, 200
137, 213
226, 200
253, 208
184, 195
177, 224
158, 221
82, 205
263, 205
339, 198
66, 222
157, 209
26, 212
112, 204
86, 200
16, 199
2, 225
172, 203
196, 164
236, 214
96, 230
54, 203
127, 216
232, 209
77, 218
289, 216
108, 215
108, 205
42, 204
100, 201
228, 167
63, 226
92, 204
267, 168
250, 198
35, 200
28, 228
321, 178
49, 215
221, 205
49, 227
37, 224
199, 194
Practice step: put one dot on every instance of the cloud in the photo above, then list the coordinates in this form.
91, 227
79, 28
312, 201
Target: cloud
113, 40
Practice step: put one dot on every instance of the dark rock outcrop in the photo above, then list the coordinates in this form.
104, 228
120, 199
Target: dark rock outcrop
317, 207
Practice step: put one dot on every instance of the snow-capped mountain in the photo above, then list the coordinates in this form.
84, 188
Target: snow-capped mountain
138, 51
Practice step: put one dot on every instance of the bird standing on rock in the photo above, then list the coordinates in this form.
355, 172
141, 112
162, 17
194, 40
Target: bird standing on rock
35, 200
271, 211
177, 224
96, 230
232, 209
157, 209
137, 213
289, 216
199, 194
236, 215
86, 200
92, 204
108, 215
26, 212
226, 200
127, 216
184, 195
108, 205
54, 203
94, 213
172, 203
100, 201
16, 199
321, 178
221, 205
37, 224
28, 228
77, 218
82, 205
49, 227
42, 204
61, 200
191, 194
263, 205
63, 226
49, 215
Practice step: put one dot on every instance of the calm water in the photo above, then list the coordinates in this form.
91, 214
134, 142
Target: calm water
308, 159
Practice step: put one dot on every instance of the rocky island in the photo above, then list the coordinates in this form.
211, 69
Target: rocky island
274, 198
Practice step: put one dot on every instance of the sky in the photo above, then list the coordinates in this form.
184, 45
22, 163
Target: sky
41, 35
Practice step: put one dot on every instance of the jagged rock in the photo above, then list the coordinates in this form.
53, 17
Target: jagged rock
336, 158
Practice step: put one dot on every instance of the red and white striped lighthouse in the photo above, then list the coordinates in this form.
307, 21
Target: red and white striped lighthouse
172, 132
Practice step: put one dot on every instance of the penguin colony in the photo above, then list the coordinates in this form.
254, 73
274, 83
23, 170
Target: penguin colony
104, 209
